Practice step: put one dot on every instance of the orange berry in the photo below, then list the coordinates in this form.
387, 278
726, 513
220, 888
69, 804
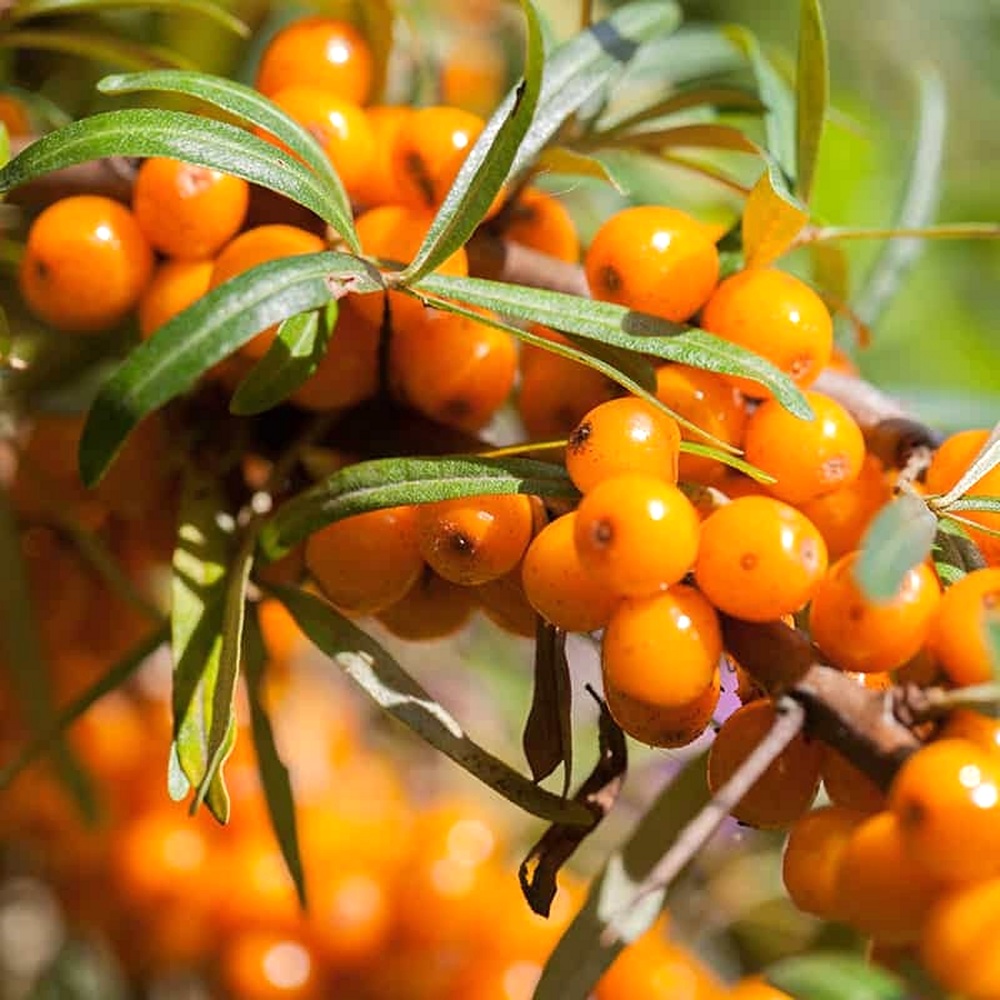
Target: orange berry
861, 635
655, 969
625, 435
504, 602
378, 185
755, 988
638, 534
947, 799
350, 915
786, 789
474, 539
432, 608
709, 402
966, 724
185, 210
268, 965
807, 457
775, 315
85, 264
366, 563
176, 284
759, 558
318, 52
541, 221
14, 115
847, 786
653, 259
558, 586
957, 635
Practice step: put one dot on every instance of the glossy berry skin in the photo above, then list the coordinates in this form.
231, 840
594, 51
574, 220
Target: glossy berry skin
86, 262
185, 210
318, 52
846, 786
786, 789
432, 608
653, 968
540, 221
653, 259
947, 800
957, 635
626, 435
472, 540
366, 563
808, 458
966, 724
378, 185
859, 635
637, 534
176, 284
759, 558
558, 586
775, 315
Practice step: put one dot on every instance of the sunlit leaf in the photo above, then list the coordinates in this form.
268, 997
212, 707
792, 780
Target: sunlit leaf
898, 539
24, 10
812, 93
699, 136
772, 218
834, 976
699, 95
561, 160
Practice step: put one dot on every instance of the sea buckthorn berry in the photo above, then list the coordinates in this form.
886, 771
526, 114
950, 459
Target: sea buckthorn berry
367, 562
637, 533
338, 125
709, 402
432, 608
623, 435
755, 988
947, 799
453, 369
776, 315
786, 789
176, 284
185, 210
378, 185
881, 891
14, 115
429, 150
966, 724
350, 915
957, 636
861, 635
812, 856
474, 539
558, 586
541, 221
759, 558
806, 457
655, 969
949, 463
653, 259
256, 246
503, 601
267, 965
85, 264
847, 786
318, 52
958, 942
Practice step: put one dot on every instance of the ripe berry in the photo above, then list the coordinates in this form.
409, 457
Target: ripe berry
759, 558
432, 608
775, 315
846, 786
176, 284
268, 965
504, 602
957, 635
85, 264
378, 184
655, 969
636, 533
541, 221
966, 724
653, 259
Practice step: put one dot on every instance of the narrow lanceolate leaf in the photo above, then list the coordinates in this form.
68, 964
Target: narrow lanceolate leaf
985, 460
274, 777
581, 67
172, 360
29, 9
975, 502
251, 107
812, 93
390, 687
919, 203
198, 606
721, 98
899, 538
772, 218
101, 47
954, 553
620, 327
560, 160
192, 138
706, 136
389, 482
486, 167
294, 356
548, 735
583, 955
834, 976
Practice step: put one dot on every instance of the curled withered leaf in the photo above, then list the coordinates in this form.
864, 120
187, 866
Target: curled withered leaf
547, 738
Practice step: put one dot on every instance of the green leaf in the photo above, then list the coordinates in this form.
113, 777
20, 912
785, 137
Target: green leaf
295, 354
834, 976
250, 107
171, 361
100, 47
487, 165
975, 501
274, 777
721, 98
919, 203
560, 160
620, 327
178, 134
812, 94
390, 687
898, 539
984, 462
772, 218
376, 19
581, 67
955, 554
27, 9
389, 482
698, 136
581, 957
